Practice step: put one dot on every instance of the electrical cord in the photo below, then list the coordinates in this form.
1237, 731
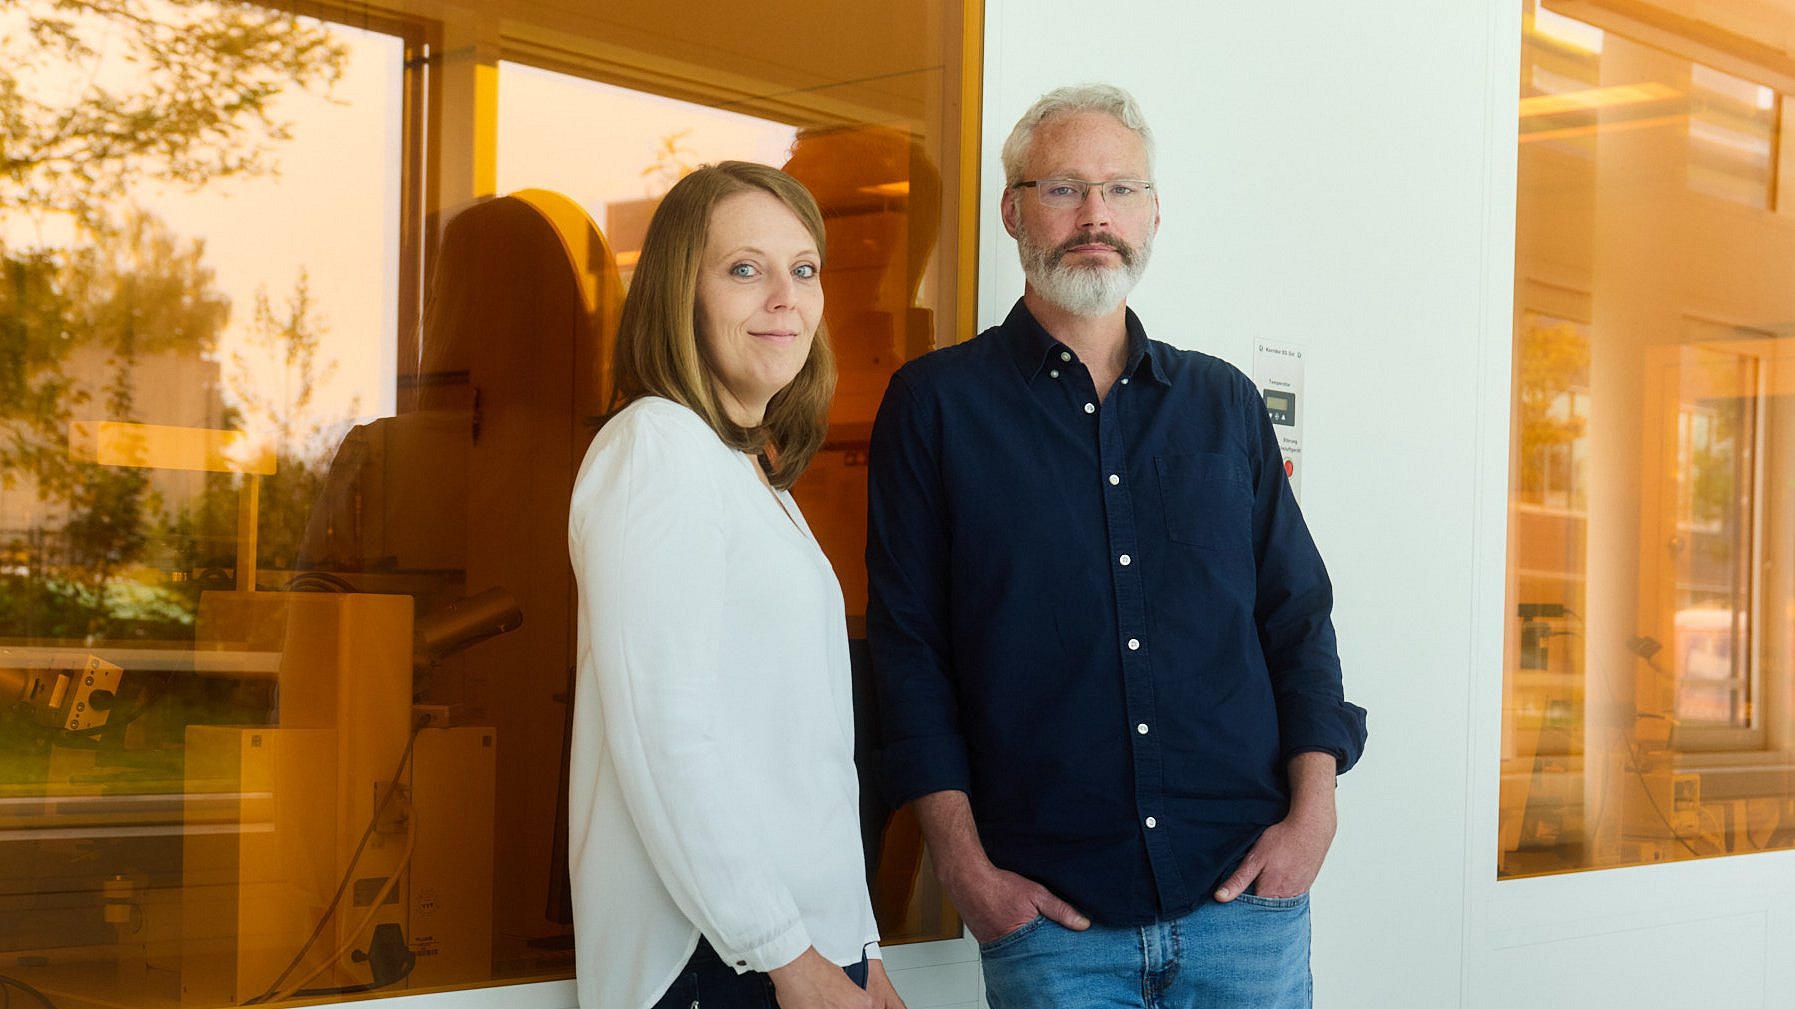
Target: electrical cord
374, 906
377, 960
7, 982
317, 581
336, 899
1645, 649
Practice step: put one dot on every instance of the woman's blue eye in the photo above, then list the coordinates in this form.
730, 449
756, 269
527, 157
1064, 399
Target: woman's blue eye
805, 271
743, 270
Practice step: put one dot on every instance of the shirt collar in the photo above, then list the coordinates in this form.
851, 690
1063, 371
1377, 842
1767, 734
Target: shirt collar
1033, 348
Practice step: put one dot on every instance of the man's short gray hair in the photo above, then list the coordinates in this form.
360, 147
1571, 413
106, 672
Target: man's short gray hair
1105, 98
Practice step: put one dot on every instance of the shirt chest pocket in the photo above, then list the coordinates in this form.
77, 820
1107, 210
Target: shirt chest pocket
1207, 500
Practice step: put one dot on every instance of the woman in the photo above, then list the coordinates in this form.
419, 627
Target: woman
715, 851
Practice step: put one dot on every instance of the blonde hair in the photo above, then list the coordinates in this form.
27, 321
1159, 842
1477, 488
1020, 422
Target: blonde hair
657, 351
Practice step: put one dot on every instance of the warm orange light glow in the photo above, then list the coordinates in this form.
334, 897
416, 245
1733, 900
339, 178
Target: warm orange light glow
1593, 128
1645, 713
1597, 98
159, 446
898, 188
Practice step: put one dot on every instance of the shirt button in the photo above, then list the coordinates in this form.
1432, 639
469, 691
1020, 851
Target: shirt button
1114, 479
1055, 373
1134, 644
1125, 560
1151, 823
1065, 355
1124, 381
1141, 728
1090, 408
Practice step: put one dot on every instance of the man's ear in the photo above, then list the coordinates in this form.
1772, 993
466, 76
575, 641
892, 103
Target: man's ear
1011, 212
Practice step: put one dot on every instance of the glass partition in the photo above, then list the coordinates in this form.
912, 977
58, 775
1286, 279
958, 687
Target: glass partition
304, 328
1649, 694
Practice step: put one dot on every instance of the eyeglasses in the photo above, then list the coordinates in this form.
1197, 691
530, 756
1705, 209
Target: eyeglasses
1069, 194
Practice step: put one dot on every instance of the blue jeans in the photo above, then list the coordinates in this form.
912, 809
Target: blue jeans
1252, 953
709, 983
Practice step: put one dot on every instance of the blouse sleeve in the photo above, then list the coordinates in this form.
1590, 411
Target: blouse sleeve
648, 534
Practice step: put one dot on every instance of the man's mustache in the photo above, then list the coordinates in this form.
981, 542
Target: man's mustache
1094, 238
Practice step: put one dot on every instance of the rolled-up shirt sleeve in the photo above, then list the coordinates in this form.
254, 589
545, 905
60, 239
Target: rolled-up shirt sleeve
1293, 607
922, 749
650, 551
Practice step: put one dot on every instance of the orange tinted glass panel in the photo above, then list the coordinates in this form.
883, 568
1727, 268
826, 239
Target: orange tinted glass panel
1647, 699
298, 357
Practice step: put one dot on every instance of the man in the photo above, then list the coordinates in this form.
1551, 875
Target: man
1107, 670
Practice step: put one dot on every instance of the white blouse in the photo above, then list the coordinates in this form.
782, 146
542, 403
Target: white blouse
712, 784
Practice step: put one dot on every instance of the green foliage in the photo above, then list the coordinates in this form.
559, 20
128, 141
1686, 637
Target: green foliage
73, 325
1551, 364
49, 607
35, 392
99, 95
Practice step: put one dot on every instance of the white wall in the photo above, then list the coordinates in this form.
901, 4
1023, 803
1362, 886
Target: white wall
1340, 176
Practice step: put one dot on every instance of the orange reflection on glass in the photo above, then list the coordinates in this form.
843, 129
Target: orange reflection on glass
290, 402
1649, 689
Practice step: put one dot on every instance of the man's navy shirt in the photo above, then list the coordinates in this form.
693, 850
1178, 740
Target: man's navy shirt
1105, 622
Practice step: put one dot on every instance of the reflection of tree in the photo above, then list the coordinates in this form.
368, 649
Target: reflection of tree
1713, 432
76, 327
98, 95
1552, 362
1712, 477
671, 163
302, 439
68, 315
289, 342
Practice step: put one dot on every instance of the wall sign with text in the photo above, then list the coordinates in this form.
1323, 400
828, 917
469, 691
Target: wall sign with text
1278, 372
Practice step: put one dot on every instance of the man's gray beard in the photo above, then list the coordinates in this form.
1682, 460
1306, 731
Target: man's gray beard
1088, 291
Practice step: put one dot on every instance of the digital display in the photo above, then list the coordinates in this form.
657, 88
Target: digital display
1281, 406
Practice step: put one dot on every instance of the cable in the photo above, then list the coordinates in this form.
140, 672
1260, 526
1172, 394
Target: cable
347, 989
392, 880
317, 581
13, 982
336, 899
409, 963
349, 874
1644, 649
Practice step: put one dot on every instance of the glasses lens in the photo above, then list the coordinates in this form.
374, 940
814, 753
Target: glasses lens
1124, 194
1069, 194
1061, 194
